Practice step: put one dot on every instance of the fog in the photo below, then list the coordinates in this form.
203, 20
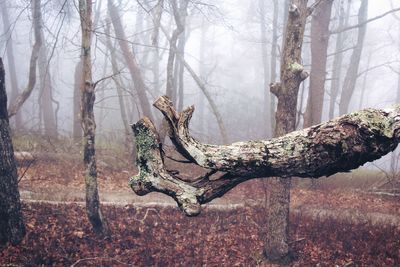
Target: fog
223, 46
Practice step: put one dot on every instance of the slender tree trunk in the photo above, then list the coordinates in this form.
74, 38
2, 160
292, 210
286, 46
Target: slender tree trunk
130, 60
319, 50
12, 228
76, 104
45, 95
157, 14
266, 70
202, 72
128, 136
291, 76
364, 83
181, 69
179, 13
350, 79
11, 61
20, 100
93, 210
274, 58
338, 58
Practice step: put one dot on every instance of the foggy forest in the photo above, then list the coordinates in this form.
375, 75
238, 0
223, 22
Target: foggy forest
199, 133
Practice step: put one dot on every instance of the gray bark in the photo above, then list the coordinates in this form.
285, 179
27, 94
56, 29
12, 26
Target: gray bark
93, 210
12, 228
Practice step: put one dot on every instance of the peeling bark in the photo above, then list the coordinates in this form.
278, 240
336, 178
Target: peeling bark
338, 145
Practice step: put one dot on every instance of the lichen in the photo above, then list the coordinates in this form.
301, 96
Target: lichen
145, 143
375, 121
296, 67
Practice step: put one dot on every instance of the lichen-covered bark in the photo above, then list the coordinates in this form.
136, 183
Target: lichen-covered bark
291, 75
335, 146
12, 228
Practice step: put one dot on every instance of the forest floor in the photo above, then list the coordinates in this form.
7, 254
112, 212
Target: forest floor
330, 227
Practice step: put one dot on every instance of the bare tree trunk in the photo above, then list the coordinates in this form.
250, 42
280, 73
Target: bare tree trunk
338, 58
202, 71
350, 79
128, 136
210, 100
158, 11
94, 213
45, 95
292, 74
11, 61
179, 16
12, 228
20, 100
130, 60
181, 69
266, 76
364, 83
319, 50
274, 57
76, 109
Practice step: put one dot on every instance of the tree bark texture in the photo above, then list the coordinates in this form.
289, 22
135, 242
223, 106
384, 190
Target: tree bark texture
130, 60
12, 228
319, 49
11, 60
93, 210
291, 75
350, 79
339, 145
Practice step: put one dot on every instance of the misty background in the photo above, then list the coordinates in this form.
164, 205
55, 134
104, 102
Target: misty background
223, 44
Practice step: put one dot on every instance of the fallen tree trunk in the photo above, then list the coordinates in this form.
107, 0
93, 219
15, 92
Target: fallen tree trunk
339, 145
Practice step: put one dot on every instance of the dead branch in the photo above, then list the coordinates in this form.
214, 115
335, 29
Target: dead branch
339, 145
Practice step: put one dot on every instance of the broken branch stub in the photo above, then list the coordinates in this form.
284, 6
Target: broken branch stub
335, 146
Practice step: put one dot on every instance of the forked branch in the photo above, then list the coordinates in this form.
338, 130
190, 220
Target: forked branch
335, 146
